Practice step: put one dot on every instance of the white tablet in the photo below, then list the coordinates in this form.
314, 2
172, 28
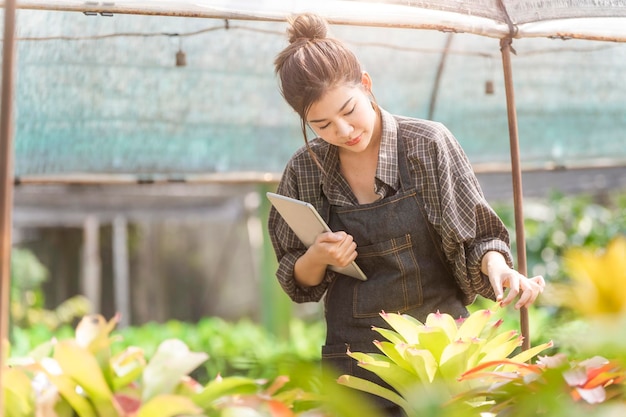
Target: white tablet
307, 223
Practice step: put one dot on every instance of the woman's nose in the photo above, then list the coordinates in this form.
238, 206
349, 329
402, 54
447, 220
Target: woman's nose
344, 128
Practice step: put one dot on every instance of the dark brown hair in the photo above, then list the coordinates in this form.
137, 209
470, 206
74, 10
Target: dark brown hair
312, 64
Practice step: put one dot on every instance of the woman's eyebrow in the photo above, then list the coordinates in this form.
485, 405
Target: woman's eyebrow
338, 111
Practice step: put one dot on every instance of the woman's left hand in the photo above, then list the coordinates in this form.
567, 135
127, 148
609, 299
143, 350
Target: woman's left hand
502, 276
526, 288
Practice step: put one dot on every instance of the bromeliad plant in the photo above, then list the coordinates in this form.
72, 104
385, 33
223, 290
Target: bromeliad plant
554, 387
430, 357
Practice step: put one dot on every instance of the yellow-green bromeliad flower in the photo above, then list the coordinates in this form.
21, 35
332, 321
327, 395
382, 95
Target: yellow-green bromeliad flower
430, 357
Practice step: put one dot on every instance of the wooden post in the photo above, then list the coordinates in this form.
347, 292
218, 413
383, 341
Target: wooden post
149, 305
6, 179
121, 284
91, 279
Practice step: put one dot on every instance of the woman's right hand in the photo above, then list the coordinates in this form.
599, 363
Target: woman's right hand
334, 248
329, 248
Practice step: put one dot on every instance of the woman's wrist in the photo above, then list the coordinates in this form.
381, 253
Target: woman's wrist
491, 260
308, 271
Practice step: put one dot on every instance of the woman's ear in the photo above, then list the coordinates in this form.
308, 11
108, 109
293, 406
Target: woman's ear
366, 81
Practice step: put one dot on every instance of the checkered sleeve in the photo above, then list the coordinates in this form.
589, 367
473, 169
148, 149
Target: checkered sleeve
469, 226
455, 204
287, 246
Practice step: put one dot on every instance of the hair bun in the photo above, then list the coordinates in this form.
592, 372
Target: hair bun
307, 26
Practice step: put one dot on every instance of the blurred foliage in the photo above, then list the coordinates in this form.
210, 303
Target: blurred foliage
558, 223
234, 348
83, 377
596, 284
27, 298
554, 227
594, 301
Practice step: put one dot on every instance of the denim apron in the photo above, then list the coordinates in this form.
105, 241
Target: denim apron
401, 254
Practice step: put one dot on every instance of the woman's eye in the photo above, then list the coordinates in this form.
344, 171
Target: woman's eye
325, 126
350, 112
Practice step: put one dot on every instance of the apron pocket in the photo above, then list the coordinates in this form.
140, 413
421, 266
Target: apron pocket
393, 284
335, 361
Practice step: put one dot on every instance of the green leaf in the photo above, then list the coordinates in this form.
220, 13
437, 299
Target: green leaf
17, 393
93, 334
240, 411
127, 367
412, 320
390, 335
43, 350
63, 409
423, 364
399, 379
526, 355
67, 388
373, 388
454, 361
493, 330
453, 350
499, 339
445, 322
501, 351
221, 387
289, 397
167, 405
434, 339
473, 326
81, 366
391, 351
408, 329
368, 357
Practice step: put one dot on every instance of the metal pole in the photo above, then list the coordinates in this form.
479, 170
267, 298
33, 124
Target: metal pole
437, 83
6, 179
516, 172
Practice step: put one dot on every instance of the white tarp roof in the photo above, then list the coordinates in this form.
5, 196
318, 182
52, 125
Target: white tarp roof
103, 95
582, 19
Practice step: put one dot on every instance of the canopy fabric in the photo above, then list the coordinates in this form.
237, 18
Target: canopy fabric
102, 95
583, 19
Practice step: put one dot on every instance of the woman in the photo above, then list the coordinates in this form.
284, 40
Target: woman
400, 196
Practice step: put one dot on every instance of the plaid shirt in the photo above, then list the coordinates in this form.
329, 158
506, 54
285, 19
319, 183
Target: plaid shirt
443, 178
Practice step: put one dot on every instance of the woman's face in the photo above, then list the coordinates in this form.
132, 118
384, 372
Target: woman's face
344, 117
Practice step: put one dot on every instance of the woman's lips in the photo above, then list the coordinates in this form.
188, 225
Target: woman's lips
353, 141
